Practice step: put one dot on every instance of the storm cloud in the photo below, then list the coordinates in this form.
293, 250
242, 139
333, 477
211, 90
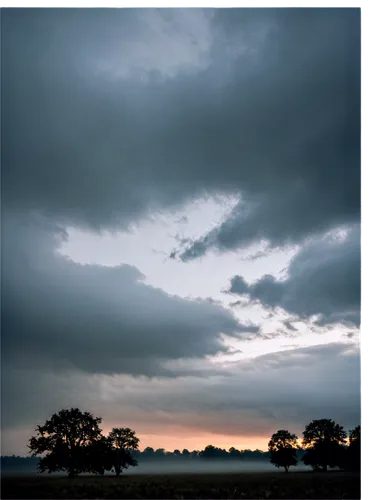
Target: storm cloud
323, 278
114, 117
265, 105
57, 313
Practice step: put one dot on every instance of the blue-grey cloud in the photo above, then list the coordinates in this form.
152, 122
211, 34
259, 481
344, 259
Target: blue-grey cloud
60, 314
106, 128
323, 278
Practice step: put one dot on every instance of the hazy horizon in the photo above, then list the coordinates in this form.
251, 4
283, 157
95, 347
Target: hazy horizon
209, 467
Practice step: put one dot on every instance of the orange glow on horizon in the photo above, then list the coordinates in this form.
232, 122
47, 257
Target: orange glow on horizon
200, 441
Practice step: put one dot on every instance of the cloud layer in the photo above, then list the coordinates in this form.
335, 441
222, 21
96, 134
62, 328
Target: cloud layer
57, 313
323, 278
274, 117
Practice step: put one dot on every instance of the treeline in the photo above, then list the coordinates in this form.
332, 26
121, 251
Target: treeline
16, 462
73, 441
209, 453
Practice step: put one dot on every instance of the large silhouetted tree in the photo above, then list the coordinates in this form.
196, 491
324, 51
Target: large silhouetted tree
354, 449
65, 438
323, 440
123, 441
283, 448
98, 456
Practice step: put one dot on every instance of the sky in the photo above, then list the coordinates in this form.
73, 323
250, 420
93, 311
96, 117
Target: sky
180, 221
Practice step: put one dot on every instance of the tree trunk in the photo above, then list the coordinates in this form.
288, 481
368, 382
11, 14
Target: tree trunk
286, 467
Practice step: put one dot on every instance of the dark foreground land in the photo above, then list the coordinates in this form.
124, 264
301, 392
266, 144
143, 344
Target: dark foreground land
182, 486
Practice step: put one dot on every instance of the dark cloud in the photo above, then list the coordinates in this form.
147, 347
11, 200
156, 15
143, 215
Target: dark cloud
324, 279
57, 313
267, 106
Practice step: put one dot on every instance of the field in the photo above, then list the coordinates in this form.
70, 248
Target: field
182, 486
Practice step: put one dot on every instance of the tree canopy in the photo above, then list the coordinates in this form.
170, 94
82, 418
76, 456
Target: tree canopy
283, 449
323, 440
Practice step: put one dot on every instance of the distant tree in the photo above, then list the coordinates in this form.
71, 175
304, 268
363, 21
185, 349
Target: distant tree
177, 453
282, 448
64, 438
323, 440
185, 453
234, 454
148, 453
123, 442
246, 454
212, 453
16, 462
160, 453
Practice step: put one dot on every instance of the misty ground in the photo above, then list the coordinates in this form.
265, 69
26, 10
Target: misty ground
155, 467
203, 485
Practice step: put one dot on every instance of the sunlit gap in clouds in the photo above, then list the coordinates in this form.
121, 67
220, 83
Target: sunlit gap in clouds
152, 246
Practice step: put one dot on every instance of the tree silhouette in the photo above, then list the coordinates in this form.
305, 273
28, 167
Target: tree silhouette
123, 441
354, 450
234, 454
322, 440
283, 449
148, 453
212, 452
355, 435
160, 453
64, 437
99, 456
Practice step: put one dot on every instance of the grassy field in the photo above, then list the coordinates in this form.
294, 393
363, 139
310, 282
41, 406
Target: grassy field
182, 486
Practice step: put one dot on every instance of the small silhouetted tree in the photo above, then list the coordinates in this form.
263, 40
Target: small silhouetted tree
234, 454
212, 453
64, 437
123, 442
283, 449
148, 453
160, 454
323, 440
